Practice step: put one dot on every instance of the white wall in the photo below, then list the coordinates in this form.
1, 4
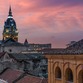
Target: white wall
14, 49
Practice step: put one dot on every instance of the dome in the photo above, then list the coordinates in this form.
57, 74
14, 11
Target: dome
10, 30
9, 23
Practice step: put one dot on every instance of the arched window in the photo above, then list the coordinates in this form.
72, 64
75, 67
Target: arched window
69, 75
58, 72
80, 77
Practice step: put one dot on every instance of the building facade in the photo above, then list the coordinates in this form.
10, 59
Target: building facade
65, 68
66, 65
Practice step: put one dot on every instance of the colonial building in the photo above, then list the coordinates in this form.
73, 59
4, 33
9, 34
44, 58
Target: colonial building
66, 65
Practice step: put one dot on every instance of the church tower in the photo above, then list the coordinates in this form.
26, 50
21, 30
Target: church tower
10, 30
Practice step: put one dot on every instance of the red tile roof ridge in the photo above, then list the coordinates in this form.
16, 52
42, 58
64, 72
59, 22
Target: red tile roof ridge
31, 79
34, 76
10, 75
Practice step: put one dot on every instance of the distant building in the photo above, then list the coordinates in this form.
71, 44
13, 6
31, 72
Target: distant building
25, 57
66, 65
10, 43
12, 46
10, 30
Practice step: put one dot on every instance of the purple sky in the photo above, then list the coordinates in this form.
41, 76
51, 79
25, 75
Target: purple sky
45, 21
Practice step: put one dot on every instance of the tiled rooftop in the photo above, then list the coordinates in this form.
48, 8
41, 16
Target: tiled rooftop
75, 48
76, 45
16, 76
21, 56
32, 79
10, 75
64, 52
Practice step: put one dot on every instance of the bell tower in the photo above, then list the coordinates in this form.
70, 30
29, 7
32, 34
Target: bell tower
10, 30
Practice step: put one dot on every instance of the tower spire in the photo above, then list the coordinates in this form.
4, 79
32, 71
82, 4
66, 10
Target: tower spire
10, 11
10, 30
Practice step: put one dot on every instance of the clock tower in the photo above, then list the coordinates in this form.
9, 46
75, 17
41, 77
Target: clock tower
10, 30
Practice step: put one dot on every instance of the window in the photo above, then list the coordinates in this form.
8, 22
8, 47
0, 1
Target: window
69, 75
58, 72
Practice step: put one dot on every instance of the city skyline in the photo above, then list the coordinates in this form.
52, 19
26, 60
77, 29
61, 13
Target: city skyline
45, 21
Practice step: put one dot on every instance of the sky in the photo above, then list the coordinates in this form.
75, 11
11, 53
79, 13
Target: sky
45, 21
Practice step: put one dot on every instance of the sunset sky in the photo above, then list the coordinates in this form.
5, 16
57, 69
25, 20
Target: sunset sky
45, 21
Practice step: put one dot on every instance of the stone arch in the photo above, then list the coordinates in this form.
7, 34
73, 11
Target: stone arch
79, 69
80, 77
55, 64
69, 75
58, 72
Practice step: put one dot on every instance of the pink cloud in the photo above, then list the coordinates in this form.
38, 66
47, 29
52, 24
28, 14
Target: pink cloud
42, 22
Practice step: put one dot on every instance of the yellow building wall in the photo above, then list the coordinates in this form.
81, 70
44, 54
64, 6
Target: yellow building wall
74, 62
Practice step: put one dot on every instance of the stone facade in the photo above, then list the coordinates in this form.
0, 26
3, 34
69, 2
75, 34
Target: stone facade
65, 68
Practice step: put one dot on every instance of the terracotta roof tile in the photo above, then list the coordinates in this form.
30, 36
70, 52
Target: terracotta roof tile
10, 75
32, 79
